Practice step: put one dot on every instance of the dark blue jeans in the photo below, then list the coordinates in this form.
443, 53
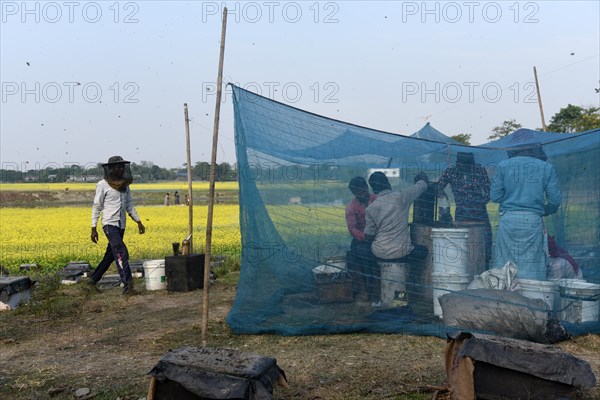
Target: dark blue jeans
362, 264
115, 250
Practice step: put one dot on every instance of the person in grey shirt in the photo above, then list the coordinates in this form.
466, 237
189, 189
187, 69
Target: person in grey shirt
387, 223
387, 217
113, 201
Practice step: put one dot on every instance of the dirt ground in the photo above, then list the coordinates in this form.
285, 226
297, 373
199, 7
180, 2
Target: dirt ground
107, 342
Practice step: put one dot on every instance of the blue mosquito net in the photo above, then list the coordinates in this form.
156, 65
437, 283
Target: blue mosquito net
300, 274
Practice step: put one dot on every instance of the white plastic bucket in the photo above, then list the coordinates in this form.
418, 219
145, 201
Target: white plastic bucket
393, 282
543, 290
450, 255
443, 284
579, 300
154, 275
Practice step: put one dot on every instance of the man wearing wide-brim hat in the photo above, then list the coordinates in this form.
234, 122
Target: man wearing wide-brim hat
113, 201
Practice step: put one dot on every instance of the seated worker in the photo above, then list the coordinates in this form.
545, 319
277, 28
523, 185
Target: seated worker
360, 260
387, 221
471, 188
560, 264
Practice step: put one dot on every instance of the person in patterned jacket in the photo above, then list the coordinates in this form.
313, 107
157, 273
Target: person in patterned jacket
470, 185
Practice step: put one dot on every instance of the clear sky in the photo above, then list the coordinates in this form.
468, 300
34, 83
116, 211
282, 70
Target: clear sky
82, 81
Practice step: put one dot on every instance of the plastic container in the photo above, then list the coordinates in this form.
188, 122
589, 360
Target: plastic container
579, 300
442, 284
450, 255
393, 283
338, 262
154, 275
543, 290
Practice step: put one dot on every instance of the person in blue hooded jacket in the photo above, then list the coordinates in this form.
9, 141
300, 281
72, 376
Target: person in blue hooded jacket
527, 189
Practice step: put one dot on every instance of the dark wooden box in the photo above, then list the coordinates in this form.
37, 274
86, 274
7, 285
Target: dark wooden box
184, 273
191, 373
333, 288
497, 368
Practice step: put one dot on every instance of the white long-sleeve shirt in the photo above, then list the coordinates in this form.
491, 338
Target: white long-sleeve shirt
113, 205
387, 219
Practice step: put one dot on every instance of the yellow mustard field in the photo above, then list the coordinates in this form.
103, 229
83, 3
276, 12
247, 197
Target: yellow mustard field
51, 237
82, 186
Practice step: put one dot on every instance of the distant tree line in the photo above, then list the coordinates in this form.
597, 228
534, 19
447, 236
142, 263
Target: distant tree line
569, 119
145, 171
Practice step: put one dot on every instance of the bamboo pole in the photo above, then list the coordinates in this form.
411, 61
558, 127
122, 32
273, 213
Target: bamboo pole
539, 96
211, 191
190, 202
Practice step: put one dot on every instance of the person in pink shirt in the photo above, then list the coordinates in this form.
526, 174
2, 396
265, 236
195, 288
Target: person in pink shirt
360, 261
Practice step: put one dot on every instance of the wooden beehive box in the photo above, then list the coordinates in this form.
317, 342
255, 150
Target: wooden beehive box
333, 288
491, 367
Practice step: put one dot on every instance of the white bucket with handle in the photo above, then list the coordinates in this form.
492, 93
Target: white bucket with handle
579, 300
543, 290
154, 275
393, 283
450, 252
443, 284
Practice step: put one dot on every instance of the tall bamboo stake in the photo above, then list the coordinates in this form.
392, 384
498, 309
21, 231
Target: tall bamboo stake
211, 191
190, 202
539, 96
